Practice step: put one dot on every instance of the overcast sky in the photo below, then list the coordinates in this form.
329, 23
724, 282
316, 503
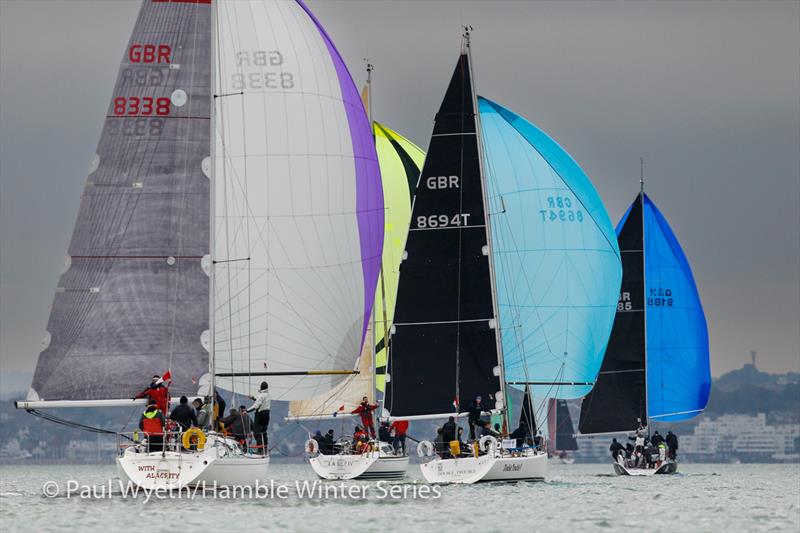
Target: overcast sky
708, 93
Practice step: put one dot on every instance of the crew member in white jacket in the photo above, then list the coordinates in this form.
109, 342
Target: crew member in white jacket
261, 407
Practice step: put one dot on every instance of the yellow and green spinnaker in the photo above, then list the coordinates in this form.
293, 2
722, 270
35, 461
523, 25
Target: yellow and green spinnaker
400, 162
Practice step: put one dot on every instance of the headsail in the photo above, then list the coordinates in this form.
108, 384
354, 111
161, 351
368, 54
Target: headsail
400, 161
299, 207
557, 261
444, 349
133, 300
678, 371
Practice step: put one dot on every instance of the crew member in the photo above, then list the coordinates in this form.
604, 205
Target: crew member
157, 392
475, 410
449, 430
615, 449
261, 407
520, 433
183, 414
241, 426
152, 424
384, 433
365, 410
672, 444
400, 428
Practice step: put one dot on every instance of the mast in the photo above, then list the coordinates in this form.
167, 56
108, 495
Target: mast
490, 258
212, 212
644, 300
380, 270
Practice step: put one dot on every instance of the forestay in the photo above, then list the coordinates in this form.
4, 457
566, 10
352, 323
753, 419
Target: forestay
299, 211
133, 299
557, 262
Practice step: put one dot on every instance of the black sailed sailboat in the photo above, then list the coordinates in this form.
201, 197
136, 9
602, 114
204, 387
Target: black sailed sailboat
445, 349
656, 366
457, 319
445, 314
561, 430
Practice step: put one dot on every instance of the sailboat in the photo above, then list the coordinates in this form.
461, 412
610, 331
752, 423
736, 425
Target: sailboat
400, 161
562, 432
657, 365
510, 278
229, 232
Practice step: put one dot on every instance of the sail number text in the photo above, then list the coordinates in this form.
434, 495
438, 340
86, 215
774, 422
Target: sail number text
442, 221
660, 297
559, 208
442, 182
143, 106
624, 302
261, 80
149, 53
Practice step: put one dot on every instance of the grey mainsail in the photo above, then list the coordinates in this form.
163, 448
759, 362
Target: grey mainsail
133, 300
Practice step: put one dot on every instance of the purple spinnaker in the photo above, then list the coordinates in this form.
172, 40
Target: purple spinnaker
369, 191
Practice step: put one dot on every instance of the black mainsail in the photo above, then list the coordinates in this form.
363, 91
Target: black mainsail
444, 348
619, 398
133, 301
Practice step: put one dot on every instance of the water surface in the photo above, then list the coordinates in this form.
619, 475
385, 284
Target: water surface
576, 497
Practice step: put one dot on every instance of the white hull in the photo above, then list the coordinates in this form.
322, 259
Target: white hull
372, 465
218, 464
666, 468
486, 468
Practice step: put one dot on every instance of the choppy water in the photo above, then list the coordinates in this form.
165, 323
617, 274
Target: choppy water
576, 497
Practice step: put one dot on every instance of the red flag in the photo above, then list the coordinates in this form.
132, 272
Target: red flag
455, 402
341, 407
166, 377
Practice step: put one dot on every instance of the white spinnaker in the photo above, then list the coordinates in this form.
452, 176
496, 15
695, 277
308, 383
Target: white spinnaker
289, 281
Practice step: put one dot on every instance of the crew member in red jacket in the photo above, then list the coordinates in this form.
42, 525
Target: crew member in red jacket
152, 424
365, 409
400, 428
157, 392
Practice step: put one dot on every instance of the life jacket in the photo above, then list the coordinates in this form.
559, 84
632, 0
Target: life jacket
152, 422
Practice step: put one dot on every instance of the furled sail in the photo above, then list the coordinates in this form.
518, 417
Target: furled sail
557, 262
657, 363
299, 210
400, 161
444, 349
133, 300
678, 371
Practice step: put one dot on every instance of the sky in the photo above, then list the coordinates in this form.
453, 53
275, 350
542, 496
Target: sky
707, 92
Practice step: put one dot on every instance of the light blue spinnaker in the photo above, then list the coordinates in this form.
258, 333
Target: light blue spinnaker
557, 262
678, 372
